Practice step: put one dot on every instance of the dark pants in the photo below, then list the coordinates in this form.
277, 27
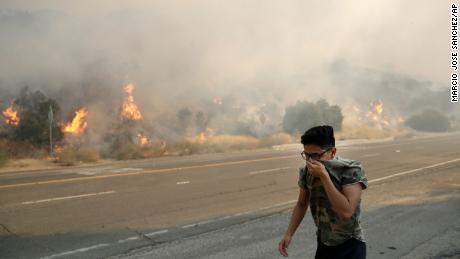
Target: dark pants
350, 249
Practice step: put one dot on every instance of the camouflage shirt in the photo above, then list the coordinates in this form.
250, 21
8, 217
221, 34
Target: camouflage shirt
333, 230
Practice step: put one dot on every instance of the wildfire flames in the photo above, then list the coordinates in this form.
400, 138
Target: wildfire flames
142, 140
202, 137
78, 124
11, 116
376, 113
129, 109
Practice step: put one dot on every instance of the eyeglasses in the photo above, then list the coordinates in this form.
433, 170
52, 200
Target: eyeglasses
314, 156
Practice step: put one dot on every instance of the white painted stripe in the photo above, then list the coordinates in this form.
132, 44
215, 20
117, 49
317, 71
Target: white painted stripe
242, 213
189, 226
269, 170
204, 222
413, 170
128, 169
156, 233
162, 231
184, 182
67, 197
81, 250
127, 239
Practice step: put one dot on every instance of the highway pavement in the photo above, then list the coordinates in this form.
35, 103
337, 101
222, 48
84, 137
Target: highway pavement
229, 205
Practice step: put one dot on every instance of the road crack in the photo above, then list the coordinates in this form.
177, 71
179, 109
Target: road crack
7, 229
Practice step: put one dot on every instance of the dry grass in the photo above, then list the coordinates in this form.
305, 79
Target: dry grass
129, 151
19, 150
70, 156
365, 132
27, 163
280, 138
227, 143
4, 155
214, 144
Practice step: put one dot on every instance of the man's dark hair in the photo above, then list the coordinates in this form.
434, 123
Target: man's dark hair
322, 136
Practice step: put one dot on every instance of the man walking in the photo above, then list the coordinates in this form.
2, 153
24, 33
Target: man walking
332, 187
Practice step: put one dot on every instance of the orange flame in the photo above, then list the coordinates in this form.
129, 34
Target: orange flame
205, 135
378, 107
376, 111
11, 116
142, 140
129, 109
202, 137
78, 124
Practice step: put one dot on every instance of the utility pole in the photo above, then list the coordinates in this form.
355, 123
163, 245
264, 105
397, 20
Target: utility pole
50, 118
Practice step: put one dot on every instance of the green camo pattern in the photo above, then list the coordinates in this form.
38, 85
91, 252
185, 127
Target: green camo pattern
332, 230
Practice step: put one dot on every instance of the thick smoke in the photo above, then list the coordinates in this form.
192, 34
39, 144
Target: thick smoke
233, 65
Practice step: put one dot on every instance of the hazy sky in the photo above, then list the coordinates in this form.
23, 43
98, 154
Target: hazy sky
241, 38
180, 49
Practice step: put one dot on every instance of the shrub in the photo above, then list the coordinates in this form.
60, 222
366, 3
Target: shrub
276, 139
4, 157
70, 156
130, 151
430, 121
304, 115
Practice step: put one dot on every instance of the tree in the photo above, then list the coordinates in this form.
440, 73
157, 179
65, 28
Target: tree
185, 118
34, 125
304, 115
429, 120
201, 121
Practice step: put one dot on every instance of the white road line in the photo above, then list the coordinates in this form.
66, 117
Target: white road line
127, 239
189, 226
204, 222
67, 197
413, 170
81, 250
184, 182
228, 216
156, 233
128, 169
239, 214
268, 170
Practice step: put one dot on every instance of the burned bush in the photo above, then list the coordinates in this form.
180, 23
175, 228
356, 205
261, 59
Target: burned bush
304, 115
430, 121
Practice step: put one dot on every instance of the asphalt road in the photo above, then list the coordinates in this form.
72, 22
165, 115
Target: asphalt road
234, 205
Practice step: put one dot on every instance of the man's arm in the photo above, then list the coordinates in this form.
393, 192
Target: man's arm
299, 211
297, 216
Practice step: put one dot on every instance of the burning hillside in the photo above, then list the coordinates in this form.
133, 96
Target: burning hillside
215, 125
